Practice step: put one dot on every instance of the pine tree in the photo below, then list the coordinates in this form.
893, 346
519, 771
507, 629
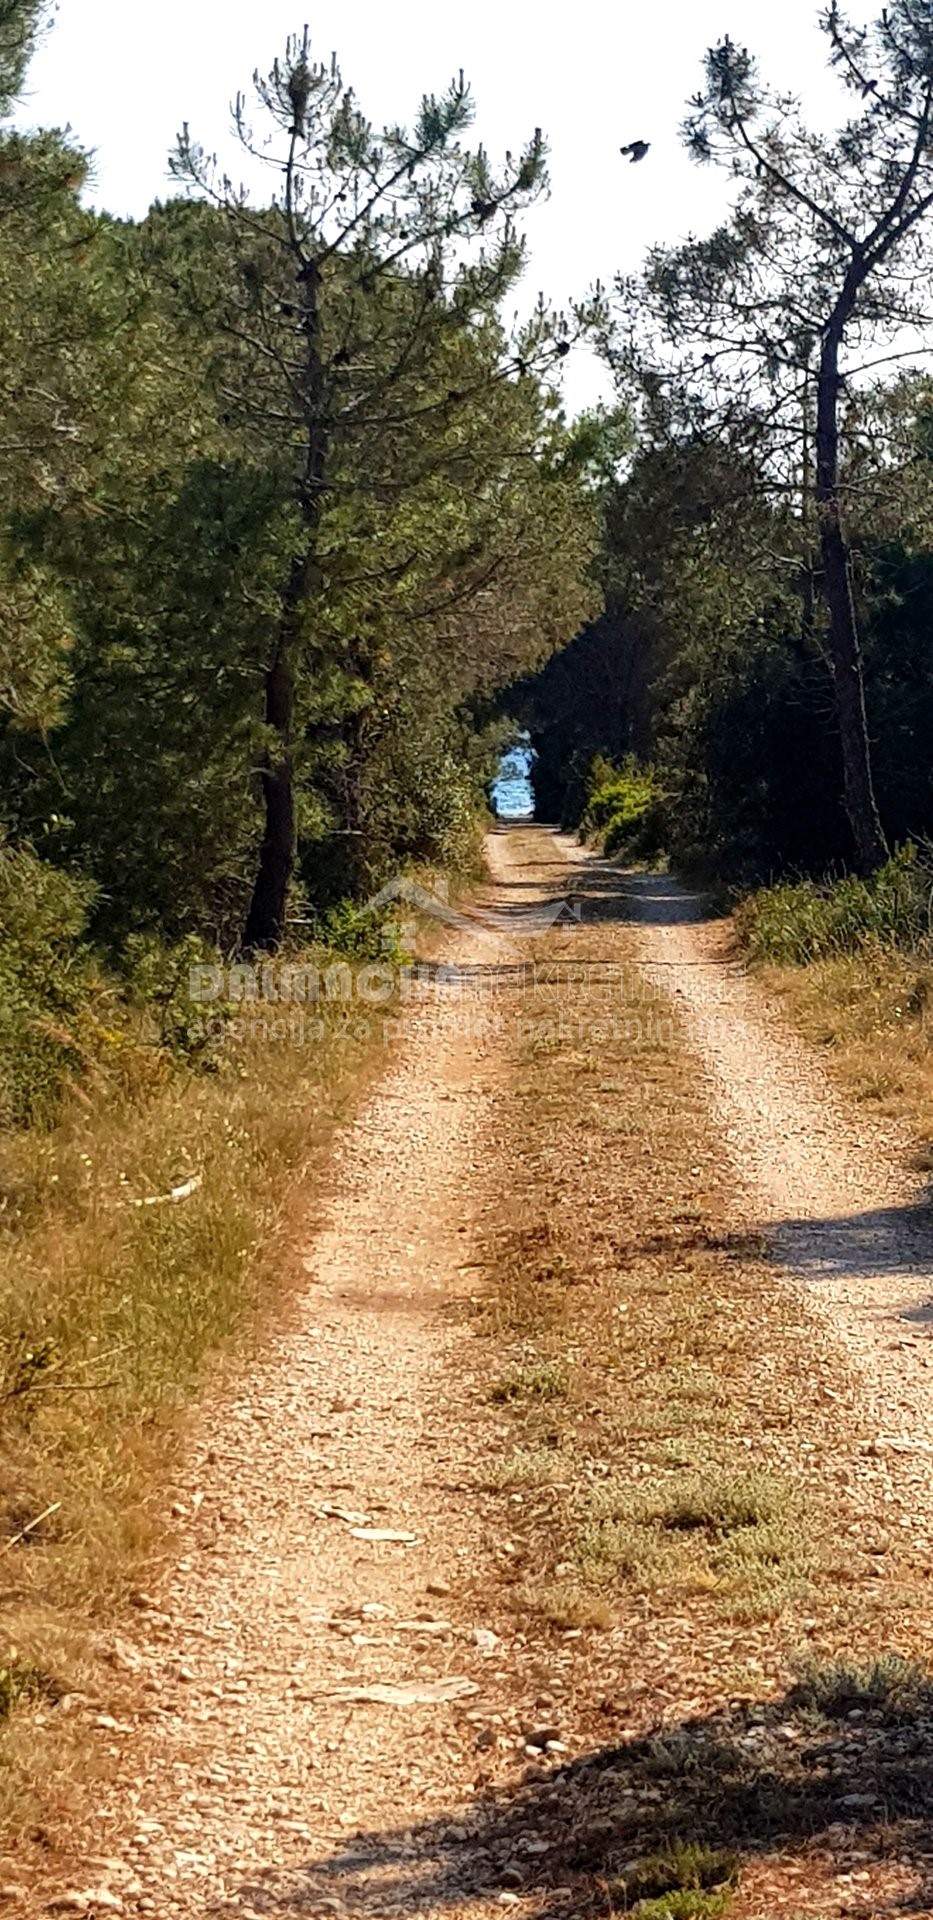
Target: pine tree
354, 292
825, 260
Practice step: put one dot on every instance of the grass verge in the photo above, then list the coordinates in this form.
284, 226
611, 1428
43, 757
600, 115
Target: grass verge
852, 961
114, 1298
871, 1017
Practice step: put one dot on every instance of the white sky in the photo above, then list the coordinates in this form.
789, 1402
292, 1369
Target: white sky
593, 75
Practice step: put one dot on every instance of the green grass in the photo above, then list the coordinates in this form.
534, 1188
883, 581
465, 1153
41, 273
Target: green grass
685, 1882
740, 1533
894, 1687
797, 924
683, 1904
544, 1381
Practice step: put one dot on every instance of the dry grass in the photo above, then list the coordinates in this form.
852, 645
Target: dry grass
527, 1467
739, 1535
110, 1311
871, 1015
679, 1460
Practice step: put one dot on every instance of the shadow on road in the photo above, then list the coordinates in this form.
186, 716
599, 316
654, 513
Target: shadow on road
888, 1240
842, 1765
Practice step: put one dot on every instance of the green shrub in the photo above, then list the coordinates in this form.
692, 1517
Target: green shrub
625, 808
360, 932
792, 925
900, 1689
22, 1680
684, 1883
684, 1904
46, 984
159, 987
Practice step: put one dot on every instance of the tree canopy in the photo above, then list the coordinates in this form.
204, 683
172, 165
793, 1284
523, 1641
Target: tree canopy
284, 504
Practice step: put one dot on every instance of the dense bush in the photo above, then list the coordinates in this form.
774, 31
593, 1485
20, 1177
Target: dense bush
792, 925
46, 980
625, 808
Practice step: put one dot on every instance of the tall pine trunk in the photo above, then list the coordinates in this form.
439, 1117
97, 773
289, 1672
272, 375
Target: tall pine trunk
844, 646
265, 921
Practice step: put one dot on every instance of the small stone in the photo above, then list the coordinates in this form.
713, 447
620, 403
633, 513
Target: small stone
541, 1737
120, 1654
512, 1875
487, 1641
69, 1903
11, 1895
438, 1587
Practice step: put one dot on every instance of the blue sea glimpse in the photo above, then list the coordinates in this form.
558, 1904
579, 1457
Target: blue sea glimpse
513, 795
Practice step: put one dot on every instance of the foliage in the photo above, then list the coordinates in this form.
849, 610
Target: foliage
158, 987
361, 932
702, 666
358, 347
158, 410
889, 1686
45, 984
794, 924
687, 1882
759, 332
625, 808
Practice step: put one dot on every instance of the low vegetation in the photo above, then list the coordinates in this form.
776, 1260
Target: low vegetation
625, 809
138, 1236
46, 986
891, 912
852, 962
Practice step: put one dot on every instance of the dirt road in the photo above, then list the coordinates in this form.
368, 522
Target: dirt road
832, 1191
322, 1687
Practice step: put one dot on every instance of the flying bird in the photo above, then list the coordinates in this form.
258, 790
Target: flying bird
636, 150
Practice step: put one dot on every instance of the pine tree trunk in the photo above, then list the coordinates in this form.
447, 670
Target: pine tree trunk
265, 924
844, 647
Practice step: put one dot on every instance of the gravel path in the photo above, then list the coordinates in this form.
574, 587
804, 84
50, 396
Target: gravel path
330, 1548
315, 1696
831, 1192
